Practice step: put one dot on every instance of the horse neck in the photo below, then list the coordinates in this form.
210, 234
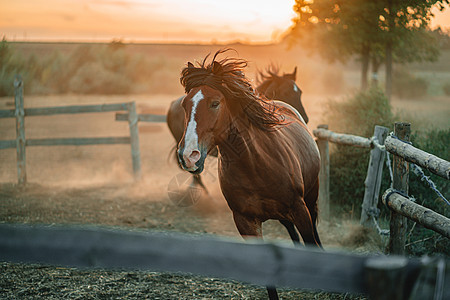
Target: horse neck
263, 86
236, 138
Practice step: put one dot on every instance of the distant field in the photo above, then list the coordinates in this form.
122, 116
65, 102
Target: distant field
318, 79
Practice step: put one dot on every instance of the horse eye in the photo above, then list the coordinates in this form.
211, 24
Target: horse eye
215, 104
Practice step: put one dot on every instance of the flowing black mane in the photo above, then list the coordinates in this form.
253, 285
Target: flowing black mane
227, 76
271, 73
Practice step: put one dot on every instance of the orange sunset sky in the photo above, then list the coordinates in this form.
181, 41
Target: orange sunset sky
152, 20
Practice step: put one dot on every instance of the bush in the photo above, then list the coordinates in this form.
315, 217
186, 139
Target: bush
406, 85
357, 115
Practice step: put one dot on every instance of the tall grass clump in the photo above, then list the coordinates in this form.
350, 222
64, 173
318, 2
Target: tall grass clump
356, 115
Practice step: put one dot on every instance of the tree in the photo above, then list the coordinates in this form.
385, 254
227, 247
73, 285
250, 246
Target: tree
374, 30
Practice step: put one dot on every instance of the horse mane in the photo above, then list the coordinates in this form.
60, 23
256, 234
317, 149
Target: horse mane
227, 76
271, 73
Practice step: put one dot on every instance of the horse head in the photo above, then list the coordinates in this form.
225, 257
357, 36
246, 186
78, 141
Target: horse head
218, 95
203, 108
283, 88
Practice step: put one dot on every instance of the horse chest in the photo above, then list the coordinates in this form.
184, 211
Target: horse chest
261, 193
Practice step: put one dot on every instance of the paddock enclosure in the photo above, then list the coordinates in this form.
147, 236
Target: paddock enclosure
95, 185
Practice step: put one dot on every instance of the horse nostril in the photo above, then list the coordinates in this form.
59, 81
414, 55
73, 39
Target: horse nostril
194, 156
190, 158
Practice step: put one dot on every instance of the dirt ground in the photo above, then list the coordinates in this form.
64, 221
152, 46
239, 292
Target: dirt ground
95, 185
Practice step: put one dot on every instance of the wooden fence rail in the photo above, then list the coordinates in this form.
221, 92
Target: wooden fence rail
374, 173
419, 157
152, 118
254, 261
401, 207
422, 215
19, 113
341, 138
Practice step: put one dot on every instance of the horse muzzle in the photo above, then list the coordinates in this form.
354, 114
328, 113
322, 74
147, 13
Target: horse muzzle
192, 160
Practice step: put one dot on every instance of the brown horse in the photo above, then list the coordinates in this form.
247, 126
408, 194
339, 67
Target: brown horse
268, 161
272, 86
282, 87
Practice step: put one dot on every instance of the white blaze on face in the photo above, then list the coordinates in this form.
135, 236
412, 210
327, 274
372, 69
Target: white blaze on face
295, 88
191, 137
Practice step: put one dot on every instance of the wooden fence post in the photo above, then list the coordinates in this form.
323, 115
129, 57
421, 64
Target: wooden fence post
385, 277
324, 176
373, 179
400, 169
20, 130
134, 139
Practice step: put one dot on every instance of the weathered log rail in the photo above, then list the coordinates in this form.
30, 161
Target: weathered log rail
400, 206
422, 215
380, 277
341, 138
419, 157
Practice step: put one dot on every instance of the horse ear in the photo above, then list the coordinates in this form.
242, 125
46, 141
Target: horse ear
216, 68
190, 65
291, 76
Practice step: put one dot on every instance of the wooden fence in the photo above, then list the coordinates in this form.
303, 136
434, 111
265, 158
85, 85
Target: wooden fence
401, 207
19, 113
380, 277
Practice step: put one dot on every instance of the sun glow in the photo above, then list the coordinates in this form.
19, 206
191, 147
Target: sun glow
152, 20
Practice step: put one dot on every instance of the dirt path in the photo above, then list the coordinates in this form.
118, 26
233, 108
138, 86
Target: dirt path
94, 185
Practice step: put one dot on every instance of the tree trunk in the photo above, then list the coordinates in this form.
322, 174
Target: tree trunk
389, 47
365, 58
376, 63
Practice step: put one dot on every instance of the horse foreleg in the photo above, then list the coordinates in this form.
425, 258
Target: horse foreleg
247, 227
251, 227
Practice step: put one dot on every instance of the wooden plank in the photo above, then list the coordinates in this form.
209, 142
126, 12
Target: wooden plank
78, 141
343, 139
143, 118
134, 139
422, 215
254, 261
20, 130
75, 109
373, 178
419, 157
8, 144
7, 113
400, 170
324, 176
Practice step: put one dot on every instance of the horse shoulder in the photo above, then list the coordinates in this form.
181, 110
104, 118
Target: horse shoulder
290, 109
